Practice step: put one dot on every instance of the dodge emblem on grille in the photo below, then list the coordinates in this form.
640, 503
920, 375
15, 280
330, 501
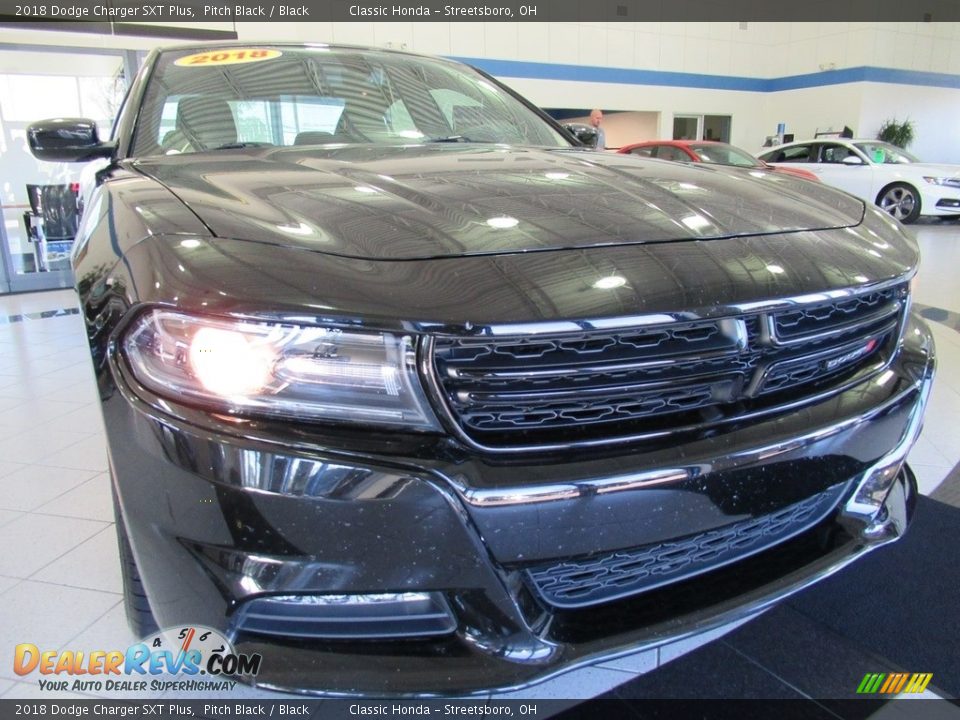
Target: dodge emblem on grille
835, 362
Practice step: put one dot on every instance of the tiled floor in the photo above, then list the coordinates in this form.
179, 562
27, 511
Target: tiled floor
59, 573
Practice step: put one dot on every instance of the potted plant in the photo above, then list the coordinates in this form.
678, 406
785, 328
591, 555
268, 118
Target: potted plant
897, 133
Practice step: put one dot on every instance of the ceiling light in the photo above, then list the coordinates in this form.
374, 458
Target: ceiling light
503, 222
610, 282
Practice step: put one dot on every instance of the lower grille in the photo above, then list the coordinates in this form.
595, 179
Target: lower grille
532, 390
602, 578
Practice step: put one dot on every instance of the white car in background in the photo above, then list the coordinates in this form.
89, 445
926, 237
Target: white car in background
877, 172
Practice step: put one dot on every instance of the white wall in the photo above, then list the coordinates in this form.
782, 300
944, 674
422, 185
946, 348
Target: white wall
720, 48
934, 111
807, 110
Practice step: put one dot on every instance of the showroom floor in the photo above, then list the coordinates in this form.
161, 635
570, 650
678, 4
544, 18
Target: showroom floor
60, 578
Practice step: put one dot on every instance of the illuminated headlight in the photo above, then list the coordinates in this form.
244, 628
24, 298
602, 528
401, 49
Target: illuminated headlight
944, 181
251, 368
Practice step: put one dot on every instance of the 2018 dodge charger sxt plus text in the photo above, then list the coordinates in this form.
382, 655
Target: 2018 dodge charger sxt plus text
409, 393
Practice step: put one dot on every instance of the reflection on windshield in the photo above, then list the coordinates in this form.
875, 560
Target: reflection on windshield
886, 154
724, 155
287, 96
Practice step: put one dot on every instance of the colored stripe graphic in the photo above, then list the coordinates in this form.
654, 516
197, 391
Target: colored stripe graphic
899, 685
894, 683
870, 683
892, 680
918, 683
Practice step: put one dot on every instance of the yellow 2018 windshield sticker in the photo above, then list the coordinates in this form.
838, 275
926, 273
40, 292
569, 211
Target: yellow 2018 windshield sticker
228, 56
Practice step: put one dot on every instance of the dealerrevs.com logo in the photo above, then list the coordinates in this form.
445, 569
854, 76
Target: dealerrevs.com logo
188, 658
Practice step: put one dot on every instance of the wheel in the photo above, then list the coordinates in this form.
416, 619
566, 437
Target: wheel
900, 200
139, 615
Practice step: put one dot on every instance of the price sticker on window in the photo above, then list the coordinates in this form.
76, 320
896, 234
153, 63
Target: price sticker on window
228, 56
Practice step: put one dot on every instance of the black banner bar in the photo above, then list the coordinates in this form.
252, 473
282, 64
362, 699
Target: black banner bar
608, 709
187, 11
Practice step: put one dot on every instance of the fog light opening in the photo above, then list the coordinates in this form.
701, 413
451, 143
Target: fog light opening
347, 616
872, 491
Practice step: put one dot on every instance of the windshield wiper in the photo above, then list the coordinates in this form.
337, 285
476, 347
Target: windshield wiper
241, 145
452, 139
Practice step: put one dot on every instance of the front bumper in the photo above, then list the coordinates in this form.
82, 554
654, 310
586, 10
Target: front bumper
941, 200
220, 513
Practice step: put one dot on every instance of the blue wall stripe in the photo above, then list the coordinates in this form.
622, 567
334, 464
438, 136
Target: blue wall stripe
819, 79
911, 77
628, 76
865, 74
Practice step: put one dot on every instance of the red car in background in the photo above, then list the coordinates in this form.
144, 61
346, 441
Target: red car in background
707, 151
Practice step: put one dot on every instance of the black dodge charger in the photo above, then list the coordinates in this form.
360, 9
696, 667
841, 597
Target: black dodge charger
410, 393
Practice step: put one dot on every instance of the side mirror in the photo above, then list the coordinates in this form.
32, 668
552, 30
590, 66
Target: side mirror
587, 134
852, 160
67, 140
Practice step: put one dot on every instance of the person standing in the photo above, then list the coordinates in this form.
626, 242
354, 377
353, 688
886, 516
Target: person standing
596, 117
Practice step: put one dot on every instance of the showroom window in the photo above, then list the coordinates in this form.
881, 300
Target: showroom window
702, 127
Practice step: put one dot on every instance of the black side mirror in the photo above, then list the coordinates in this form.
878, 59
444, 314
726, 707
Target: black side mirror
587, 134
67, 140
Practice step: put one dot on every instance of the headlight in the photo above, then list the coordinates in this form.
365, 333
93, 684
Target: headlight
237, 366
944, 181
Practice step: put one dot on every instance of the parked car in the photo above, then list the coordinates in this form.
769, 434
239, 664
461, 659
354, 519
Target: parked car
406, 393
707, 151
877, 172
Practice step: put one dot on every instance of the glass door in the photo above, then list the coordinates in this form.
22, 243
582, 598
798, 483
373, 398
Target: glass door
40, 200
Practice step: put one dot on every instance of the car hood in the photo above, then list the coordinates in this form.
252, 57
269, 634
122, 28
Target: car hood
407, 203
932, 169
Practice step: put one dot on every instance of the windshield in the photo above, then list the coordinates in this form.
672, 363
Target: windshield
237, 97
721, 154
885, 153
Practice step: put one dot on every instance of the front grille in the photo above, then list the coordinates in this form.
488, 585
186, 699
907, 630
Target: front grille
822, 318
532, 390
602, 578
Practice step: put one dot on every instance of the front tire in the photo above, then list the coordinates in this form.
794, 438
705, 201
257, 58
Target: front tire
900, 200
135, 602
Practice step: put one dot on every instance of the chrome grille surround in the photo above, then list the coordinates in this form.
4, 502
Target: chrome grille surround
520, 392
